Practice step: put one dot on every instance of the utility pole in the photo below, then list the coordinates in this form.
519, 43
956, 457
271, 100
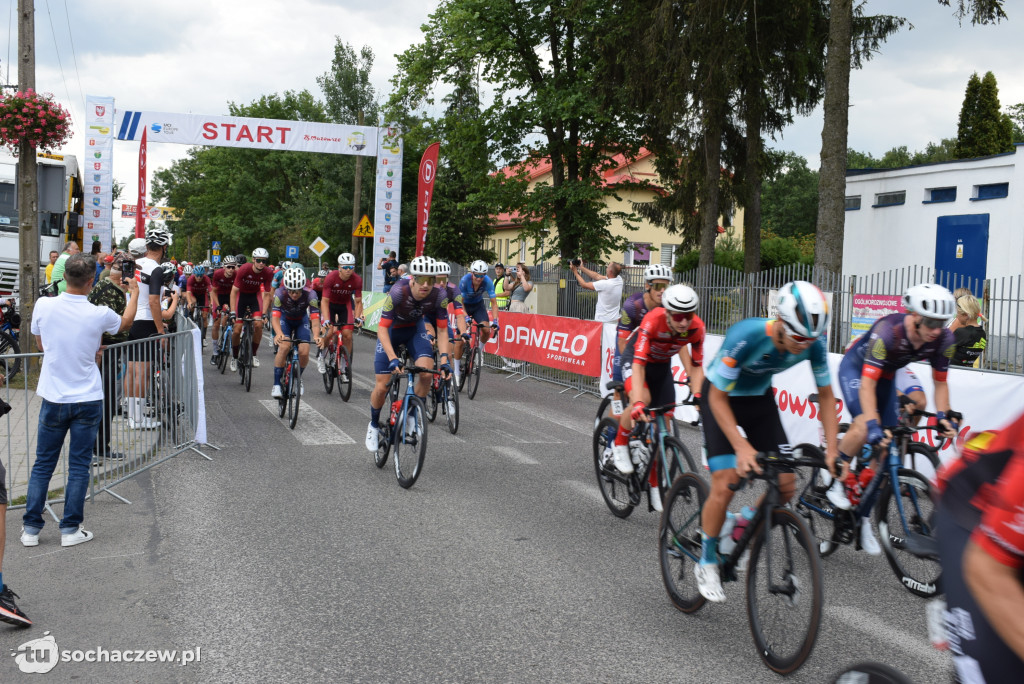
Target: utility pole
28, 191
357, 195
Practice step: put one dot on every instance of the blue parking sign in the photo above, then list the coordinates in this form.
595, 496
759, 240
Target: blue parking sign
291, 252
216, 258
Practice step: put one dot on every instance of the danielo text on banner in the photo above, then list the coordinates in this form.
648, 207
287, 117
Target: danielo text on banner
563, 343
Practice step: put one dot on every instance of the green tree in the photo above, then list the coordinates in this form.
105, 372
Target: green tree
790, 200
1016, 114
983, 129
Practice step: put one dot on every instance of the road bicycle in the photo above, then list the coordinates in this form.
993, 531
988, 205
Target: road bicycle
405, 428
199, 315
291, 381
222, 352
245, 350
338, 366
444, 393
472, 361
652, 447
783, 570
9, 322
615, 404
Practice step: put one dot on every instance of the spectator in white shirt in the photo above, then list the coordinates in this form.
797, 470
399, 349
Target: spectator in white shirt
68, 330
608, 288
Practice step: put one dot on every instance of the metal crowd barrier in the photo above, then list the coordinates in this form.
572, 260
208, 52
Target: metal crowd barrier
168, 391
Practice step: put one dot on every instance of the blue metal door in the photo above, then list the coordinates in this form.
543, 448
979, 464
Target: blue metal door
961, 251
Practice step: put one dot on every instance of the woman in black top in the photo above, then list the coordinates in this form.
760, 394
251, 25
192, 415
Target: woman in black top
968, 335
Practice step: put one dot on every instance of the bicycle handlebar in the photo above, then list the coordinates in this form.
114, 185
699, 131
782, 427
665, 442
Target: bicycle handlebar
770, 462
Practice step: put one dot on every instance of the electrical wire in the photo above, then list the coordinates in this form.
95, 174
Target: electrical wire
10, 24
71, 38
56, 49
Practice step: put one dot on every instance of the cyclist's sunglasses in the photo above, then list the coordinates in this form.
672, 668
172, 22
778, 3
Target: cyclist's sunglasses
424, 279
932, 323
259, 261
680, 317
799, 339
659, 286
227, 266
478, 276
347, 268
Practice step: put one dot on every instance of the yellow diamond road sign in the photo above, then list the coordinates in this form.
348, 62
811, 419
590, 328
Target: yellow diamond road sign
364, 229
319, 246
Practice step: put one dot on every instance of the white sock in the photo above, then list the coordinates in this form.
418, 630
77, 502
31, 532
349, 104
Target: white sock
457, 364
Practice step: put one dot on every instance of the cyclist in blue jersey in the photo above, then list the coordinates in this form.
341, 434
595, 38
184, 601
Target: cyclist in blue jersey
456, 314
409, 304
866, 375
294, 308
474, 285
279, 275
737, 393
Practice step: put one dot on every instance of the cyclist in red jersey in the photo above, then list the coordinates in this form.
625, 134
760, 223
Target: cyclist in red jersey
318, 283
251, 291
980, 530
342, 305
220, 294
647, 367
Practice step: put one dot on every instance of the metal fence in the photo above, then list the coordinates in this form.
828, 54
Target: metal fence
130, 440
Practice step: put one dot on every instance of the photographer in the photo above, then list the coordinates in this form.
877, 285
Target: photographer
517, 287
608, 288
385, 264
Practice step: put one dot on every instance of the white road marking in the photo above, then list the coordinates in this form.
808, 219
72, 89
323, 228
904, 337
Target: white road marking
588, 489
870, 625
313, 429
536, 412
514, 454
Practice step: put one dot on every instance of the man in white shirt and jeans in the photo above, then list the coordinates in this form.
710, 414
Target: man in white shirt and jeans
68, 330
608, 288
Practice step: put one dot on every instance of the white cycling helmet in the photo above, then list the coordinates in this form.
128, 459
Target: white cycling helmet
443, 268
322, 273
157, 236
803, 308
657, 272
478, 267
680, 299
346, 259
137, 247
294, 279
260, 253
422, 266
186, 269
229, 260
931, 301
285, 265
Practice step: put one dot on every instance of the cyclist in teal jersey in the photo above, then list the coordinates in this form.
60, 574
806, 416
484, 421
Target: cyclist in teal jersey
737, 393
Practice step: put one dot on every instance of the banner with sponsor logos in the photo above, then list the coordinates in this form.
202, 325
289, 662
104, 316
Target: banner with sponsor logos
152, 213
388, 209
425, 193
869, 308
97, 172
564, 343
373, 307
239, 131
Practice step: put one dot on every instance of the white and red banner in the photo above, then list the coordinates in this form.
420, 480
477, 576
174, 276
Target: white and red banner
140, 207
97, 172
387, 209
424, 193
564, 343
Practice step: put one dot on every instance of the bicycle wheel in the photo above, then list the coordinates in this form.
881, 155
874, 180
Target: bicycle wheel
8, 345
225, 350
679, 544
679, 460
784, 607
474, 380
285, 380
410, 443
294, 394
614, 485
431, 401
380, 456
921, 576
344, 370
451, 408
467, 365
329, 370
921, 458
813, 494
871, 673
602, 409
247, 374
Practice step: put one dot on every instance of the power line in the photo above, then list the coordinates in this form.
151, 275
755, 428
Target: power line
10, 22
71, 38
56, 49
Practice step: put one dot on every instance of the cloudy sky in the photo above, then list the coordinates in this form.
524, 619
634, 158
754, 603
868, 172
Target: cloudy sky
198, 55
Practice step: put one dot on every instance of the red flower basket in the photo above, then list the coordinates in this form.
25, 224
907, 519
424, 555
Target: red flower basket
34, 118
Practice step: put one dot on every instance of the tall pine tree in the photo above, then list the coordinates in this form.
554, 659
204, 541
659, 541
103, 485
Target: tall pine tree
983, 129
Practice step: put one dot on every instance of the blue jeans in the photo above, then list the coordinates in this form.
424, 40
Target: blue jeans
55, 420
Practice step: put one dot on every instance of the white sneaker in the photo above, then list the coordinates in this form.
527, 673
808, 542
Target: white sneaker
275, 392
868, 543
709, 584
620, 457
321, 365
233, 365
79, 536
255, 362
836, 494
204, 343
144, 423
29, 539
655, 496
372, 438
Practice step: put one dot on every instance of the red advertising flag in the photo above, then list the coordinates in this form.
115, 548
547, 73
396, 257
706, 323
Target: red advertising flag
424, 193
552, 341
140, 213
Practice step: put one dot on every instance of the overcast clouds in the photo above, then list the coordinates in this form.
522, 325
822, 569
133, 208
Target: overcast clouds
197, 55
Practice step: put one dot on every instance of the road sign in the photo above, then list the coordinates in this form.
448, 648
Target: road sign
364, 229
216, 252
319, 246
291, 252
216, 258
216, 244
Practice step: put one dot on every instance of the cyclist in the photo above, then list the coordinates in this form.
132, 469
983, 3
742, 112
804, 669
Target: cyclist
245, 294
473, 286
868, 368
737, 393
342, 305
318, 283
407, 306
197, 288
220, 294
295, 308
149, 321
182, 278
980, 528
279, 275
456, 314
647, 366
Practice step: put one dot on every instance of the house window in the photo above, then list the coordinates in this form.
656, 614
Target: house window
991, 191
668, 255
641, 254
935, 195
853, 203
890, 199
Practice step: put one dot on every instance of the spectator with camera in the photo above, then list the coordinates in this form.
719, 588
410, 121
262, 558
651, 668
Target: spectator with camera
386, 264
607, 286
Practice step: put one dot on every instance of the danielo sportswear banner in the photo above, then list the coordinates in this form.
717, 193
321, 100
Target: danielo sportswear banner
563, 343
236, 131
